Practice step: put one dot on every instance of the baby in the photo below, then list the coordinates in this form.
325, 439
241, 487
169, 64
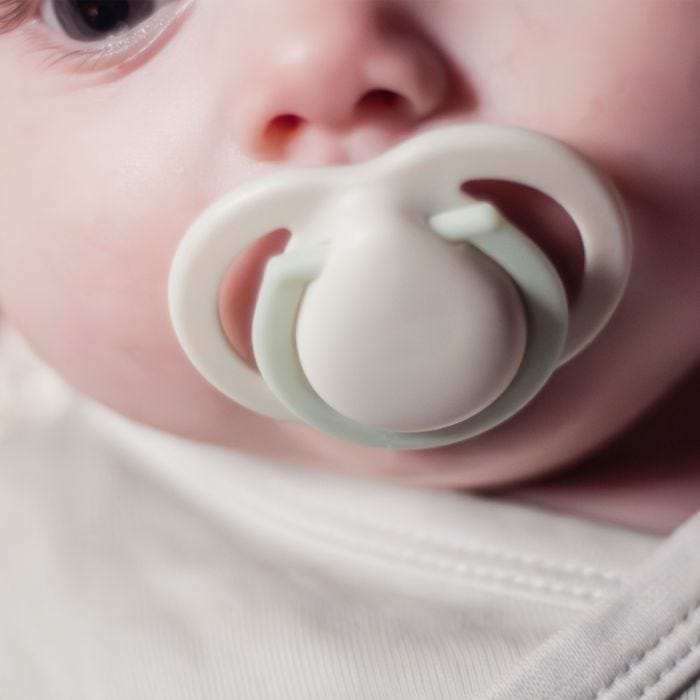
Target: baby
199, 557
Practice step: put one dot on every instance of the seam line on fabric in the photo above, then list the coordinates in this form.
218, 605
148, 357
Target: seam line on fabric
463, 570
674, 664
573, 568
285, 517
636, 661
422, 536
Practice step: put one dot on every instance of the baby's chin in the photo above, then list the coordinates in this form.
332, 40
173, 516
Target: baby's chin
639, 474
573, 420
540, 440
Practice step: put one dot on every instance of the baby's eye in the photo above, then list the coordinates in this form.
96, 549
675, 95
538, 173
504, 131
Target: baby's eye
92, 20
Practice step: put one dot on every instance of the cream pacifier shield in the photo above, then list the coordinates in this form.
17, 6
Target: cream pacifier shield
402, 313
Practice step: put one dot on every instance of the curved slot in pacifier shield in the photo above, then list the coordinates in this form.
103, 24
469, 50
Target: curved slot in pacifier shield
381, 220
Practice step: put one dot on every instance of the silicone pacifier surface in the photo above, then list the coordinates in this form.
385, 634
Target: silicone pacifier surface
402, 313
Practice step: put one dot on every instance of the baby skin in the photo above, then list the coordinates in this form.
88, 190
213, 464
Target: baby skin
121, 121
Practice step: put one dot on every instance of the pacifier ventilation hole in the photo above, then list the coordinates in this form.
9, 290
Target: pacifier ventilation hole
543, 220
239, 289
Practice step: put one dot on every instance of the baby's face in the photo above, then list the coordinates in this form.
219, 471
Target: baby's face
111, 146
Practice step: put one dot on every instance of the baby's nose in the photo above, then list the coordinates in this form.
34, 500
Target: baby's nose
340, 69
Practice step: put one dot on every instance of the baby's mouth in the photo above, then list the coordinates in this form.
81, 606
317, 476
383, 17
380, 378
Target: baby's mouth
534, 213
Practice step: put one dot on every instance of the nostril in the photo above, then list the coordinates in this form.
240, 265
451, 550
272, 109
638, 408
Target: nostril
284, 124
279, 132
380, 102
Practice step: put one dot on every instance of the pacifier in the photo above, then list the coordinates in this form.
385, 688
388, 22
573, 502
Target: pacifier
403, 313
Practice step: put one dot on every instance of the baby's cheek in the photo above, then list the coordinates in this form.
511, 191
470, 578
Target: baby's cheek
618, 84
115, 179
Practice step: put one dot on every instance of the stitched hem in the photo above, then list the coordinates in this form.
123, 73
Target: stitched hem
302, 519
639, 660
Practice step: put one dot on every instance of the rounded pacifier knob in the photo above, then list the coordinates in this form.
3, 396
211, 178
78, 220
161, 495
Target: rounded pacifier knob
405, 331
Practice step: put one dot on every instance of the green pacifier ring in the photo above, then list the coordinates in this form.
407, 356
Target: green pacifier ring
286, 278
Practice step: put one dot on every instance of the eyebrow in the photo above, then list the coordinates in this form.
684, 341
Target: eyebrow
12, 12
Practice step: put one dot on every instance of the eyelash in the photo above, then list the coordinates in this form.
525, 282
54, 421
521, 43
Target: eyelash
13, 13
123, 48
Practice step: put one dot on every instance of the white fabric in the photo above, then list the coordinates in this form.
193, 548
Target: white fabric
642, 641
138, 565
135, 565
